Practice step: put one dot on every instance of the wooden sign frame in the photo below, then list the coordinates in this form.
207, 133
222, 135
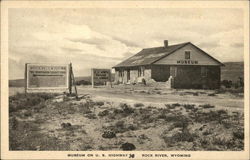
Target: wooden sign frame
92, 76
68, 78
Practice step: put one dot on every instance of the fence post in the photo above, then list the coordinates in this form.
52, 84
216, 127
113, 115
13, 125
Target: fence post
70, 78
25, 79
92, 77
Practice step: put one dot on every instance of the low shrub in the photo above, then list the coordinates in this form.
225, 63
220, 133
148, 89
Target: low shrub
128, 147
28, 113
13, 123
239, 133
171, 117
227, 83
66, 125
37, 108
132, 127
230, 90
82, 82
207, 106
147, 118
85, 108
99, 103
195, 94
176, 104
126, 108
180, 124
108, 134
212, 94
204, 117
138, 104
170, 106
119, 124
188, 106
227, 123
27, 101
184, 136
27, 136
223, 142
206, 132
121, 127
221, 111
117, 111
91, 116
162, 116
204, 142
103, 113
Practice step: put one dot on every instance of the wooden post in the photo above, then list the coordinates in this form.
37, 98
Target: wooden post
110, 78
25, 79
92, 78
73, 78
70, 78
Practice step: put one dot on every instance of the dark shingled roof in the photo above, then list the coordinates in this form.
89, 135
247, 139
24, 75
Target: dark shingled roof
150, 55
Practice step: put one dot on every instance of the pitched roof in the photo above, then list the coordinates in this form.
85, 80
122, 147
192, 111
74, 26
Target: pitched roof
150, 55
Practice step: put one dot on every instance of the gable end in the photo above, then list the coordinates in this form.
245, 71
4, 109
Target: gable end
198, 57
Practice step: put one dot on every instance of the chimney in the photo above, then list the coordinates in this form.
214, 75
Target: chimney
165, 43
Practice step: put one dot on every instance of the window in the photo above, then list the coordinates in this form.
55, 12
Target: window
203, 72
128, 74
121, 73
141, 72
187, 54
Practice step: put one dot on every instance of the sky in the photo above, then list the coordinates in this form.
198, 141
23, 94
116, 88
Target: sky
103, 37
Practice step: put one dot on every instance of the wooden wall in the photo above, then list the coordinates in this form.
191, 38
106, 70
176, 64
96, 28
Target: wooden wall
160, 73
187, 76
190, 77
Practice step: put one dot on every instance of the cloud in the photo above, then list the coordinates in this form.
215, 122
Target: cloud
237, 45
127, 42
208, 45
70, 49
89, 39
66, 43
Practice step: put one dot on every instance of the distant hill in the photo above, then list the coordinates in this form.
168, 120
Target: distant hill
16, 83
20, 82
85, 78
232, 71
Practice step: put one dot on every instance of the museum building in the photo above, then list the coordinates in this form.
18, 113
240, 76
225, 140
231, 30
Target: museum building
185, 65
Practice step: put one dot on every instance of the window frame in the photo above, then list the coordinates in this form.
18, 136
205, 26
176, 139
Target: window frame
141, 71
187, 54
121, 73
204, 71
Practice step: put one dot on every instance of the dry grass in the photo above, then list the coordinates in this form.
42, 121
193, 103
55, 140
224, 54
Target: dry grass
187, 126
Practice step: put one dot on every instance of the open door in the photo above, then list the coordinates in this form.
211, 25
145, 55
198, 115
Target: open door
128, 75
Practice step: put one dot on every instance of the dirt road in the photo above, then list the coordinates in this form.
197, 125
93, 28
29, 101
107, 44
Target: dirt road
149, 95
152, 95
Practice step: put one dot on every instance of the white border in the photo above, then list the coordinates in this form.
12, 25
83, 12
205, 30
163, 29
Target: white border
205, 155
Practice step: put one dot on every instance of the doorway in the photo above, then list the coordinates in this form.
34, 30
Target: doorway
128, 75
173, 71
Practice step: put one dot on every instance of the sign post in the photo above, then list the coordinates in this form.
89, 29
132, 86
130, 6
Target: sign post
74, 82
25, 78
92, 78
70, 78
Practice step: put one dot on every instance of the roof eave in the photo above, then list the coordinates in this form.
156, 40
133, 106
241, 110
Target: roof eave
208, 54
